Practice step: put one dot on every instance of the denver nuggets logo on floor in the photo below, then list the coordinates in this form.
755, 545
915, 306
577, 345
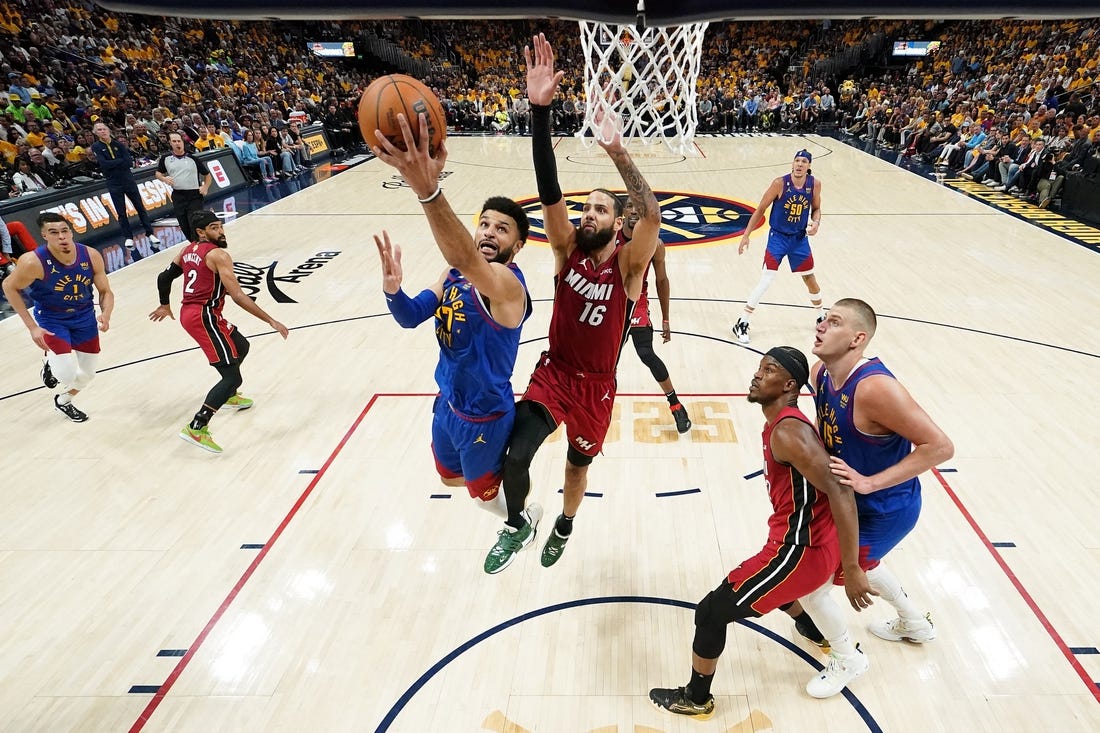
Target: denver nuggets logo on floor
688, 219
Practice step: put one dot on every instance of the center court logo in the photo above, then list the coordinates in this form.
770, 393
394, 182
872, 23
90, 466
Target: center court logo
686, 218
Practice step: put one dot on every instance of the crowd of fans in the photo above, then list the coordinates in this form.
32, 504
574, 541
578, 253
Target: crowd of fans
994, 94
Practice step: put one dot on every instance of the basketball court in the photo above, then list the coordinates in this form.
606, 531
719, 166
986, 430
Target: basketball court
317, 576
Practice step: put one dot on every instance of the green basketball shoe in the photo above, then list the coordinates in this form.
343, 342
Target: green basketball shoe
201, 438
239, 402
554, 547
511, 541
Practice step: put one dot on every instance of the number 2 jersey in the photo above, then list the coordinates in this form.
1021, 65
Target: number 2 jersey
201, 285
476, 354
591, 317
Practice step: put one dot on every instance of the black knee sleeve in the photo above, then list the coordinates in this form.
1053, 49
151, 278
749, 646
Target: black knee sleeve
230, 382
576, 458
710, 632
643, 344
715, 612
531, 428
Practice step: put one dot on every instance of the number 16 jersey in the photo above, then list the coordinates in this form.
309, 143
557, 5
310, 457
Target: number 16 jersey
591, 316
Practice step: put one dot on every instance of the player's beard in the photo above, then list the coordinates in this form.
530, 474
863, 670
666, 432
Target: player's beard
596, 240
502, 255
221, 242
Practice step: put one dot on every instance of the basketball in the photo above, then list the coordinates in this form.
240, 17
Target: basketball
394, 94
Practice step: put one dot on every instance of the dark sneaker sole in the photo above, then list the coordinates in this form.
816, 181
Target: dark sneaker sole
70, 418
693, 716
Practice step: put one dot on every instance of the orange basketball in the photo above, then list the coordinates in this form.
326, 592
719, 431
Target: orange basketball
393, 94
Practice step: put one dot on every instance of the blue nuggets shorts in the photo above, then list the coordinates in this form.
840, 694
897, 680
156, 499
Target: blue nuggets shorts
472, 448
795, 247
74, 333
880, 533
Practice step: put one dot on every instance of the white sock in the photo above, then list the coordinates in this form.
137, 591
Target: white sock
496, 506
889, 589
829, 618
64, 398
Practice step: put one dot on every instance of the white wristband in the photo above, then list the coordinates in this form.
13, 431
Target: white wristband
433, 197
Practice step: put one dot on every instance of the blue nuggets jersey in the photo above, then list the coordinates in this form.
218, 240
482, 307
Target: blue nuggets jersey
476, 354
790, 212
867, 454
65, 291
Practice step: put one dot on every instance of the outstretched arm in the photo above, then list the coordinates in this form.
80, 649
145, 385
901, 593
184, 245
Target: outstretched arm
758, 215
542, 82
222, 263
408, 312
421, 171
646, 232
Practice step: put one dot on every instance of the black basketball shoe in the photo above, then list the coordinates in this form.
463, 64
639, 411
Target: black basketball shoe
48, 378
683, 422
70, 411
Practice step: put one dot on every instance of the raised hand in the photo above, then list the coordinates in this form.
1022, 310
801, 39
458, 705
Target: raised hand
609, 127
542, 80
420, 170
390, 255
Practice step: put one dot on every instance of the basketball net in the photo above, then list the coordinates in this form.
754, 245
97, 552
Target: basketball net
647, 78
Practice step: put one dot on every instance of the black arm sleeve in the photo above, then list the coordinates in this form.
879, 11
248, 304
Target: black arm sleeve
542, 150
164, 282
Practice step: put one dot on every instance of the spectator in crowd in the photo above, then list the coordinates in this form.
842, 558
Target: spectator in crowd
209, 139
26, 180
251, 159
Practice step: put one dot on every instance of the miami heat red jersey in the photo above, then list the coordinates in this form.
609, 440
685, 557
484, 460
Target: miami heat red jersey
201, 285
591, 314
801, 514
